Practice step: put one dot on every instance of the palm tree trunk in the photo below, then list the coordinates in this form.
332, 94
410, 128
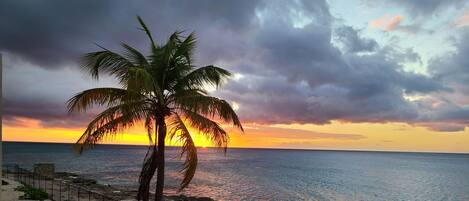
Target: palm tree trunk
160, 160
148, 170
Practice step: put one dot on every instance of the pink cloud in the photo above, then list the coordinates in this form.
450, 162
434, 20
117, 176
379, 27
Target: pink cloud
444, 126
463, 20
387, 22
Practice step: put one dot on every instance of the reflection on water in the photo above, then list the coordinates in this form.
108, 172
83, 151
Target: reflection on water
256, 174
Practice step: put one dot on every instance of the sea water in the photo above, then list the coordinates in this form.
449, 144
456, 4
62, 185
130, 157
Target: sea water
270, 174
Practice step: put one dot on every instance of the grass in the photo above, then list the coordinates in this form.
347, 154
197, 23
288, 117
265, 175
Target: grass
31, 193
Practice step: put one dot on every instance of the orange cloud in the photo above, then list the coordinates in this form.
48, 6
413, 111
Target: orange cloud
387, 23
463, 20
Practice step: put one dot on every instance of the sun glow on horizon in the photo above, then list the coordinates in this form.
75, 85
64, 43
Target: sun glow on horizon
337, 135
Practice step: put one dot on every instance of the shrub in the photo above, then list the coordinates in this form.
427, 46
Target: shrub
31, 193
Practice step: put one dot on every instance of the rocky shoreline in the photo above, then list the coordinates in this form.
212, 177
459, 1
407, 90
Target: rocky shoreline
116, 192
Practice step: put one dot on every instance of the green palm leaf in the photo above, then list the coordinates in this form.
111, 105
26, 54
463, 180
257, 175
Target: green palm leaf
210, 75
107, 62
134, 56
211, 107
179, 130
101, 97
210, 129
111, 121
161, 86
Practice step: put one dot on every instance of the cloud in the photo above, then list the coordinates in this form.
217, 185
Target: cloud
51, 33
298, 134
387, 23
444, 126
463, 20
453, 67
428, 7
55, 33
41, 49
20, 121
420, 9
449, 112
419, 14
35, 93
353, 42
315, 82
290, 137
290, 68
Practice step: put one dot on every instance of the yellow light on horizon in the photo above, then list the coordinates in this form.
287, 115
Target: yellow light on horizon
376, 136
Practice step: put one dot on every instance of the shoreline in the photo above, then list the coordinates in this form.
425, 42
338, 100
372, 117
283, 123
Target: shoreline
118, 193
68, 185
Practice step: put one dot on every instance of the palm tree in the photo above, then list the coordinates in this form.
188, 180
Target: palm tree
166, 92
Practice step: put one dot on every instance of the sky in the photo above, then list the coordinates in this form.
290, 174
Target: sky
344, 74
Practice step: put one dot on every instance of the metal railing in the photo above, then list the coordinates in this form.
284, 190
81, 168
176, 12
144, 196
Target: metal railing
56, 188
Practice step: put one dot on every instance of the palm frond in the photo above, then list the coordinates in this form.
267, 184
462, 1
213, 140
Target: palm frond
101, 97
175, 38
134, 56
106, 61
208, 75
179, 130
185, 50
164, 82
185, 93
111, 121
180, 63
211, 107
147, 32
210, 129
139, 80
149, 126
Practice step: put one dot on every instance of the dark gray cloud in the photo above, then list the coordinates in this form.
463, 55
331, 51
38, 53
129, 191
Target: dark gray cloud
445, 126
309, 80
453, 70
44, 40
40, 93
51, 33
454, 66
290, 69
353, 42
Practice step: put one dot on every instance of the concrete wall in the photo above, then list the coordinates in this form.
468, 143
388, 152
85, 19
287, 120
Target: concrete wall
46, 169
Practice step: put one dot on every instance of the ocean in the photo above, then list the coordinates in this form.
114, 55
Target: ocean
270, 174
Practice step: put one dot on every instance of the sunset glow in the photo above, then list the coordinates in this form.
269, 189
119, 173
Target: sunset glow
342, 136
351, 75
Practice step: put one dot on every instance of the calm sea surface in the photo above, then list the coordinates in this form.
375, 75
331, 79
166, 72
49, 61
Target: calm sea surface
269, 174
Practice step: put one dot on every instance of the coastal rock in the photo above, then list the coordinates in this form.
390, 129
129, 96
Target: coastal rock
186, 198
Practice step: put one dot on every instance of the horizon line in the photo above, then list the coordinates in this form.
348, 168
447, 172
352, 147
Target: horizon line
264, 148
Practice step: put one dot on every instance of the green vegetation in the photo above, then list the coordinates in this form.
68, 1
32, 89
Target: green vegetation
165, 91
31, 193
